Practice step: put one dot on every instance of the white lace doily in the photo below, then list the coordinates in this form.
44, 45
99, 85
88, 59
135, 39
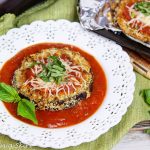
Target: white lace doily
117, 67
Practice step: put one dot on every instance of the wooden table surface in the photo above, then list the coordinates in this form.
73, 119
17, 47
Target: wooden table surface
135, 139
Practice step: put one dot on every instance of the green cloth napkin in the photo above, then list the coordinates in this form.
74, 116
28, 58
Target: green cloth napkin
138, 111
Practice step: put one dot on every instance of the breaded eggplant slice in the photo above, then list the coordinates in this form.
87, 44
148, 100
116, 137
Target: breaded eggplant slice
133, 22
74, 86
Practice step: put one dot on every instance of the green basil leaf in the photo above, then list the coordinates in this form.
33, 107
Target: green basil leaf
51, 79
57, 74
44, 78
143, 7
147, 96
56, 71
26, 109
48, 74
49, 66
147, 131
5, 97
58, 68
58, 80
43, 73
52, 59
56, 61
8, 93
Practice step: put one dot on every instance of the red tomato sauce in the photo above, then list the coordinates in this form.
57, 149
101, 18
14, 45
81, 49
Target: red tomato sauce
56, 119
126, 14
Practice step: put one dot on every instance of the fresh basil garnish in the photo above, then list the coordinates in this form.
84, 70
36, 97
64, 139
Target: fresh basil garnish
8, 93
143, 7
54, 70
25, 108
133, 15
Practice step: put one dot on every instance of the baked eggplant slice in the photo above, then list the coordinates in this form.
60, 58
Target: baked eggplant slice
54, 79
133, 17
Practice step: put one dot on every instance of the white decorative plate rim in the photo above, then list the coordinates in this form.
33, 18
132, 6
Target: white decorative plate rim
114, 61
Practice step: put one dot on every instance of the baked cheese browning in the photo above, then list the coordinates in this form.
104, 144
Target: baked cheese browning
133, 17
54, 79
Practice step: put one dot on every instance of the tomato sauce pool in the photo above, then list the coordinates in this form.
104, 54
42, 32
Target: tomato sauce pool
57, 119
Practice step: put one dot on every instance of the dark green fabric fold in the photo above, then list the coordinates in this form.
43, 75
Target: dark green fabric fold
49, 9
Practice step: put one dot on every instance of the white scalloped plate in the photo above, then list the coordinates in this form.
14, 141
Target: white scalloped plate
117, 67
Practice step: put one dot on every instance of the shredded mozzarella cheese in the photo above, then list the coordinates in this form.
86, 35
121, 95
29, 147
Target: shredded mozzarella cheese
37, 69
49, 87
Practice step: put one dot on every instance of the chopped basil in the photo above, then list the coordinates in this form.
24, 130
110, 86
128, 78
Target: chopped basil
133, 15
54, 70
25, 108
143, 7
44, 78
58, 68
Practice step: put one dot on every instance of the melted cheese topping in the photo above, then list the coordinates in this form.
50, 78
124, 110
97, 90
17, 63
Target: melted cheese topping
37, 69
51, 87
138, 18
